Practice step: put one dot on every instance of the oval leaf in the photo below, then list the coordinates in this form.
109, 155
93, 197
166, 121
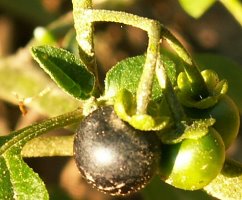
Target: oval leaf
6, 190
126, 75
66, 70
18, 180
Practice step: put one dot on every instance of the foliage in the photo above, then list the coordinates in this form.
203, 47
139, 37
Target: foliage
197, 8
129, 88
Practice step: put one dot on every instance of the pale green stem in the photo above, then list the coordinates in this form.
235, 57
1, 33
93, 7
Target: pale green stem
84, 37
235, 8
176, 109
84, 30
22, 136
153, 30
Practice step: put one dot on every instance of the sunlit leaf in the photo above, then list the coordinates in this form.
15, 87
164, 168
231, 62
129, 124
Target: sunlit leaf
17, 180
196, 8
66, 70
126, 75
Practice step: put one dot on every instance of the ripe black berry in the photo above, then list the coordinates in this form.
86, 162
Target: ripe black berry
112, 156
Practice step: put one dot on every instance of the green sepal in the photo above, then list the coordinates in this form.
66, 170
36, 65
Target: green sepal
195, 130
66, 70
226, 69
125, 108
216, 89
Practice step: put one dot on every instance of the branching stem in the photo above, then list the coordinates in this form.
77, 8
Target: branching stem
89, 16
84, 37
175, 107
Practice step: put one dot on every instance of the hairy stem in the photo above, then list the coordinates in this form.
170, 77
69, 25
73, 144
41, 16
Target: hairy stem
22, 136
84, 37
153, 30
176, 109
84, 30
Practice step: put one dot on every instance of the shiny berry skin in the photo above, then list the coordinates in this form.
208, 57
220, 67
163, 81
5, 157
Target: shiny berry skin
227, 117
193, 163
114, 157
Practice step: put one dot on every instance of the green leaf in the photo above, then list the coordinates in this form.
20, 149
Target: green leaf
228, 184
22, 84
196, 8
226, 69
66, 70
6, 190
40, 146
17, 180
126, 75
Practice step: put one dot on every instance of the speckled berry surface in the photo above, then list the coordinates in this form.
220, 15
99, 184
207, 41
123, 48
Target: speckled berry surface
112, 156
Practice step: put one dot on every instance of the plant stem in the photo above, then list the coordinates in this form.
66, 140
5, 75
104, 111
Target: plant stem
235, 8
84, 37
146, 80
176, 109
198, 85
153, 30
22, 136
84, 30
49, 146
